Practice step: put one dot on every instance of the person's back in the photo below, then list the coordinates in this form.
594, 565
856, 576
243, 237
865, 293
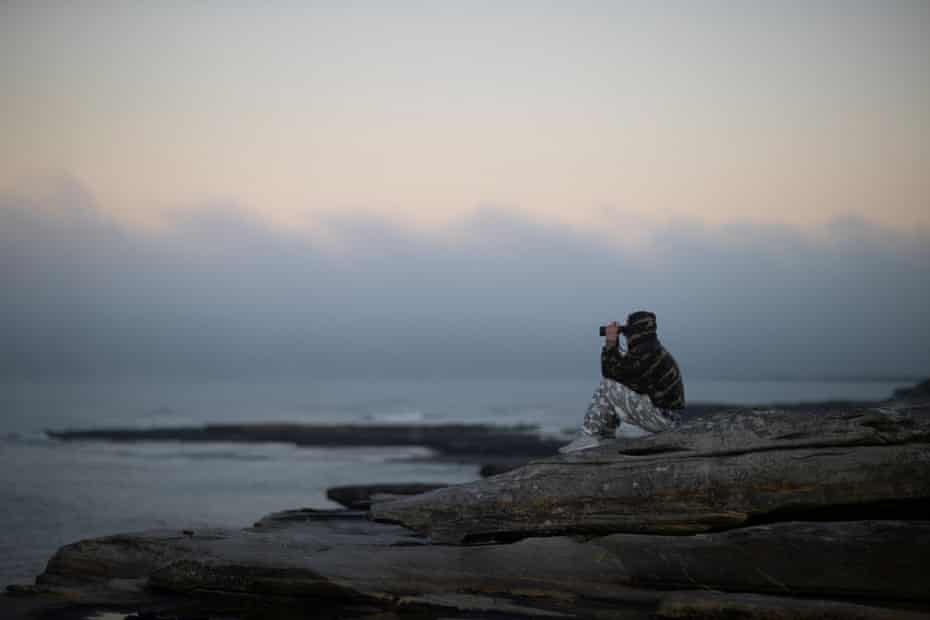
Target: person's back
641, 388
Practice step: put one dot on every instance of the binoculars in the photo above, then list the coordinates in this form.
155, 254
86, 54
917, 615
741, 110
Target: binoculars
603, 330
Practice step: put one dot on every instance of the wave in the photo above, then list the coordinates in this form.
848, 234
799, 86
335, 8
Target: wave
396, 417
39, 438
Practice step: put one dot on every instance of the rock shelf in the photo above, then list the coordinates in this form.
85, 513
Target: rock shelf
713, 473
742, 514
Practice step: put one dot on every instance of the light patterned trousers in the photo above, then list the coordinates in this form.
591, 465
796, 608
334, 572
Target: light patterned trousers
615, 405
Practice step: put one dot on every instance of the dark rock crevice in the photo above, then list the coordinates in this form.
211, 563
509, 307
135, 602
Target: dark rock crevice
886, 510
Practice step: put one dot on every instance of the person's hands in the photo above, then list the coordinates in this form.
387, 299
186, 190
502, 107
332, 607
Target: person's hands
612, 333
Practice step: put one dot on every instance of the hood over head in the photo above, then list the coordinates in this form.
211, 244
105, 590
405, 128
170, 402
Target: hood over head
641, 328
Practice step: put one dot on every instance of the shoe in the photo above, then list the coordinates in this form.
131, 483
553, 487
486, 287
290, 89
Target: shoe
582, 442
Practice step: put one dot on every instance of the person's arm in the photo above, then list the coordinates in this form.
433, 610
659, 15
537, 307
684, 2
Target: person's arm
615, 365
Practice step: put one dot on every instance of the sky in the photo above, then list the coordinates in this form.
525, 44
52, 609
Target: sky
464, 187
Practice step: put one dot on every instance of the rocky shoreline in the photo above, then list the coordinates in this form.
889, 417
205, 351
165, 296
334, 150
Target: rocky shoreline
737, 514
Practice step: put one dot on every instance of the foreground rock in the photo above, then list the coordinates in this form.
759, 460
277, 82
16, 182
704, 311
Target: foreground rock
714, 473
338, 564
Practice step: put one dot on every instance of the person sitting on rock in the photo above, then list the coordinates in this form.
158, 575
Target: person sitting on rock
641, 390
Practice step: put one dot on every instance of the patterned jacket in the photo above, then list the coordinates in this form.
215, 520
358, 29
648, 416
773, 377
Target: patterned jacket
647, 368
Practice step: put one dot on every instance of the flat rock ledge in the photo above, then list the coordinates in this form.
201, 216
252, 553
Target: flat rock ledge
714, 473
337, 564
769, 515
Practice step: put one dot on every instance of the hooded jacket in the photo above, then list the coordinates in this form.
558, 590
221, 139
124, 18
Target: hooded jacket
647, 368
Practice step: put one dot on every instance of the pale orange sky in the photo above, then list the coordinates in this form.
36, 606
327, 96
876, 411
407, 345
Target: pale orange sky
575, 114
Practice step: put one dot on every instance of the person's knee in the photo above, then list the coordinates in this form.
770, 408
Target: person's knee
613, 389
619, 394
631, 431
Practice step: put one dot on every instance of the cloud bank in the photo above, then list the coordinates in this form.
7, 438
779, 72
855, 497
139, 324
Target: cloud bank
221, 293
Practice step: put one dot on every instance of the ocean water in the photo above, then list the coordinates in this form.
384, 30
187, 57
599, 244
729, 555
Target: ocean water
53, 493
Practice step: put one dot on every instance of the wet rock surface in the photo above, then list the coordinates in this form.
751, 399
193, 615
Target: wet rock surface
737, 515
